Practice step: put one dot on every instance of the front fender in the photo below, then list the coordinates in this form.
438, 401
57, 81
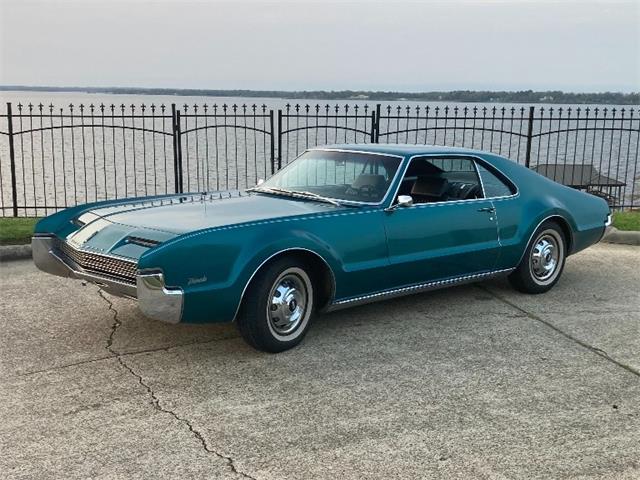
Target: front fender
213, 268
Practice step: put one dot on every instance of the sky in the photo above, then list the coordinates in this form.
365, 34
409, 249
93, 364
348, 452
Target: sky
583, 46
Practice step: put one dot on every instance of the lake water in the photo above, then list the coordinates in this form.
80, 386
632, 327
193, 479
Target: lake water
109, 156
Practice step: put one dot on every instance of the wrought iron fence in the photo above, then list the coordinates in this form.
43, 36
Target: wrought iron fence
52, 158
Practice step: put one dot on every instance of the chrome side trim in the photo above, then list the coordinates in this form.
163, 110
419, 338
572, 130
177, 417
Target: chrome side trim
158, 302
301, 249
609, 221
421, 287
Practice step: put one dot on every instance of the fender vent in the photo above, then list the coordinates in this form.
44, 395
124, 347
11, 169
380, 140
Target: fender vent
144, 242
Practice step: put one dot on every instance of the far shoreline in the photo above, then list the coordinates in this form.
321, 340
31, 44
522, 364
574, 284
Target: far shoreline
458, 96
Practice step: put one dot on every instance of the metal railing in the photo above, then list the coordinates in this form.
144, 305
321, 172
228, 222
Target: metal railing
52, 158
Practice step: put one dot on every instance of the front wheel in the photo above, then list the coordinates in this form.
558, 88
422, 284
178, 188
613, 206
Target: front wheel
543, 261
277, 308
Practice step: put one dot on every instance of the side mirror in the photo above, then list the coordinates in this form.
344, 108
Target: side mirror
260, 182
403, 201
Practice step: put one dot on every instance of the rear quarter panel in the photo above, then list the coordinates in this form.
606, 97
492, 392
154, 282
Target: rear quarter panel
538, 199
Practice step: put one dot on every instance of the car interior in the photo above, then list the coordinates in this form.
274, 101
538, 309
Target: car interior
356, 181
441, 180
427, 180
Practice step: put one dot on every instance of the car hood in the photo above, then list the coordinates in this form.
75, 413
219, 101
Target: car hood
128, 230
180, 215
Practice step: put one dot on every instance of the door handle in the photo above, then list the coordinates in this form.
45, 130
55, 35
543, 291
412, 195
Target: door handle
487, 209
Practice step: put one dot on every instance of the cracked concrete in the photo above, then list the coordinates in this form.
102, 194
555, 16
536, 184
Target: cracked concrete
471, 382
155, 401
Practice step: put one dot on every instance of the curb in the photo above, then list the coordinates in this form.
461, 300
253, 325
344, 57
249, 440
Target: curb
622, 237
14, 252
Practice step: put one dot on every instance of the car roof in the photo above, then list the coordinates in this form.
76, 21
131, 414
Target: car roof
400, 149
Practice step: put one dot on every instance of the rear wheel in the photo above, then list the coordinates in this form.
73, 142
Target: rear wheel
543, 261
277, 308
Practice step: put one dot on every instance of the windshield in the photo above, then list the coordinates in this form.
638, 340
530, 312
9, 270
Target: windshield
348, 176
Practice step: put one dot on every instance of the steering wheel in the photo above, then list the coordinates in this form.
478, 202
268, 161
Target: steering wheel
472, 191
363, 190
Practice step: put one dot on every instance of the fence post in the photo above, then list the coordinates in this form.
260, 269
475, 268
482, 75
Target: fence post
373, 126
272, 156
12, 158
527, 158
377, 125
279, 139
177, 148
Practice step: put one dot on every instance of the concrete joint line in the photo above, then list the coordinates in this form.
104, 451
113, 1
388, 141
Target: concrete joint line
111, 355
533, 316
155, 401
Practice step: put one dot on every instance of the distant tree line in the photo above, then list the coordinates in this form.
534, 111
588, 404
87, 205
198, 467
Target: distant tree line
482, 96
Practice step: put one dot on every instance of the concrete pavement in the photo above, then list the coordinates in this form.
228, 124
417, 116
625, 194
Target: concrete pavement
477, 381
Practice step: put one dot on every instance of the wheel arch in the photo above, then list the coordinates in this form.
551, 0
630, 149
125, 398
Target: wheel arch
564, 225
321, 273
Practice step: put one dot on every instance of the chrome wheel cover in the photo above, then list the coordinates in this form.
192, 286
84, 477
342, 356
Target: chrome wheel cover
546, 257
290, 301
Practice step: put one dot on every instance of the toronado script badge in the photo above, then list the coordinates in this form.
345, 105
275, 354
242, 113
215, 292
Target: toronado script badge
196, 280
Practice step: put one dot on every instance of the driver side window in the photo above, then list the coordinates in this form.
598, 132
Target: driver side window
441, 179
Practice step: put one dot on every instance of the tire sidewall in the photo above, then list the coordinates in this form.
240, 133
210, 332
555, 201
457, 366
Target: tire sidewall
523, 278
253, 321
552, 230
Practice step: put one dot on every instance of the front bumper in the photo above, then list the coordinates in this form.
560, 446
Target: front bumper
155, 299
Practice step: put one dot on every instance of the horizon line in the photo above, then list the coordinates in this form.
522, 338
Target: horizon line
302, 91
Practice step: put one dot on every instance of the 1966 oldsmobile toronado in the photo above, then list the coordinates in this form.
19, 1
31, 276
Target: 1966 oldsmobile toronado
337, 227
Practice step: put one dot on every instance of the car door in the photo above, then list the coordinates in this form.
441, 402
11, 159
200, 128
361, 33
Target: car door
441, 236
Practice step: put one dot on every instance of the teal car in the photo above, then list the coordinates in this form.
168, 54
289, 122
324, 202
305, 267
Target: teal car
337, 227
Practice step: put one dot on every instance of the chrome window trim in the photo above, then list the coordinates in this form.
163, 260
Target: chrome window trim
415, 288
473, 158
300, 249
475, 167
344, 150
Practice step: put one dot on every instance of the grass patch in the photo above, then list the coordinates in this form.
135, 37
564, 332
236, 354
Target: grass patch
629, 221
16, 231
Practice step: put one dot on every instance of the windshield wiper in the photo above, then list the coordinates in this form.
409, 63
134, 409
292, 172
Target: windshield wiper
295, 193
270, 190
320, 198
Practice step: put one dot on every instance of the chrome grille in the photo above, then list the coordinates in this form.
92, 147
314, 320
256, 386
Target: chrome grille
124, 270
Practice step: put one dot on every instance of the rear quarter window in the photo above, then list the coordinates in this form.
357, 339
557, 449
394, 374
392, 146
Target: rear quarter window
493, 185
